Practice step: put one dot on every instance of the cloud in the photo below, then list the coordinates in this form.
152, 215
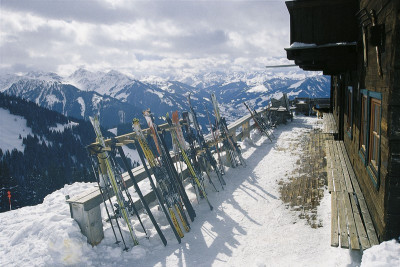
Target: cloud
142, 37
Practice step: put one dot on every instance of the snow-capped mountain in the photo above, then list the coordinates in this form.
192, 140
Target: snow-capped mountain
161, 96
104, 83
258, 94
70, 101
118, 97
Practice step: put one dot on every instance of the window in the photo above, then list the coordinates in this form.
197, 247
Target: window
349, 109
374, 134
370, 133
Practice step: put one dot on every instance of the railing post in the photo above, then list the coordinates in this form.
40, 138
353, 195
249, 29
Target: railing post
245, 130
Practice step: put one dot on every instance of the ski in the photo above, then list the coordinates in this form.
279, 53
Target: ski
230, 144
139, 192
109, 172
215, 138
104, 192
167, 160
203, 146
259, 122
165, 183
188, 151
266, 122
197, 159
174, 135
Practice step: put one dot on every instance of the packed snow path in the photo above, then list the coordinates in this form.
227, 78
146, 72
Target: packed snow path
249, 226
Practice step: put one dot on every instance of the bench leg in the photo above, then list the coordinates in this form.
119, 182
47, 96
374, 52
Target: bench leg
89, 221
246, 130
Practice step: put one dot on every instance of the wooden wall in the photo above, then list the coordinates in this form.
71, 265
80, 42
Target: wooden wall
384, 199
316, 21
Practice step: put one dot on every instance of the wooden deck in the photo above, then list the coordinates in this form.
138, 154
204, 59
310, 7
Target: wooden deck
325, 163
306, 187
352, 226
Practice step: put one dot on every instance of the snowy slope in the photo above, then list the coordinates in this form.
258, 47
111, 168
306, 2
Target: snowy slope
11, 128
249, 226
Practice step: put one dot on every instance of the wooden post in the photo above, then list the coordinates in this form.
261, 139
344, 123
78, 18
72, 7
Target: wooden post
89, 221
246, 130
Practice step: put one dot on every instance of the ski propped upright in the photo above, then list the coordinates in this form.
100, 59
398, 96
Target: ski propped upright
174, 135
197, 158
230, 144
139, 192
259, 122
169, 195
167, 161
203, 146
113, 180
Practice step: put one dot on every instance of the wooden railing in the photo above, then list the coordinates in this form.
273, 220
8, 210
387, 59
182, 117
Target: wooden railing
85, 207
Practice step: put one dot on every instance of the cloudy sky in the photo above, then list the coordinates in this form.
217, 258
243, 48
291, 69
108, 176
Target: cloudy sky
142, 37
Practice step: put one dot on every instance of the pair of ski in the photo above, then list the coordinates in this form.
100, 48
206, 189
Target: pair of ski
232, 149
111, 183
169, 183
204, 154
262, 125
181, 148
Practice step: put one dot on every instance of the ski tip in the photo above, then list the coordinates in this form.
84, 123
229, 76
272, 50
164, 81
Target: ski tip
146, 112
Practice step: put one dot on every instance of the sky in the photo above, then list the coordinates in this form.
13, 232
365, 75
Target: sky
142, 37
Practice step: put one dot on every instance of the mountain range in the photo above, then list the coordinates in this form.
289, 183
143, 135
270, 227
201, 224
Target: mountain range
118, 97
41, 149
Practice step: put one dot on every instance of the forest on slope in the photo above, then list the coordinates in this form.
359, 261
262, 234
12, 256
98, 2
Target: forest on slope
53, 154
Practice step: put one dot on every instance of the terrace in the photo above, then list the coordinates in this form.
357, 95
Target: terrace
322, 167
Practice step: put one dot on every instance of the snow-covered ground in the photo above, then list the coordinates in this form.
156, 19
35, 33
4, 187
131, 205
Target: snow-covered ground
249, 226
11, 128
61, 127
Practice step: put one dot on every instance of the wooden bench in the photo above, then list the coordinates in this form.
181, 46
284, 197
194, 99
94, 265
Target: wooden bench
351, 221
329, 124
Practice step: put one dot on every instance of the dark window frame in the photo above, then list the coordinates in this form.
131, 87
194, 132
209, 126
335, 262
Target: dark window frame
369, 130
363, 141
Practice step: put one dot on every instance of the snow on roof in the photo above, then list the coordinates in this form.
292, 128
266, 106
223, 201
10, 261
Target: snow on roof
298, 45
249, 226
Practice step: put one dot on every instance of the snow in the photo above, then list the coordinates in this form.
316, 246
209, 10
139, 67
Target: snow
83, 106
50, 100
296, 85
61, 127
258, 89
113, 131
385, 254
249, 226
301, 45
131, 154
11, 126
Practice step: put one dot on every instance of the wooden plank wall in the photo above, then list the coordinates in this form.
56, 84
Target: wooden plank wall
382, 199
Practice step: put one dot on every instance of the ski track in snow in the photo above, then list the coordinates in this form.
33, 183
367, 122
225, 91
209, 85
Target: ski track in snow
249, 226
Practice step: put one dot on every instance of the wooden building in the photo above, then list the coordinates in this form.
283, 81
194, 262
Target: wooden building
357, 42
